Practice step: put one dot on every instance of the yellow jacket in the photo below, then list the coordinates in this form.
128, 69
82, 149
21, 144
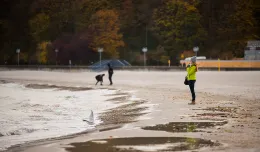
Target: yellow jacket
191, 72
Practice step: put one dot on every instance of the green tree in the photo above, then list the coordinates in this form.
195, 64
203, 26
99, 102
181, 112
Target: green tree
14, 29
61, 15
238, 26
177, 24
136, 21
164, 59
229, 24
39, 26
104, 32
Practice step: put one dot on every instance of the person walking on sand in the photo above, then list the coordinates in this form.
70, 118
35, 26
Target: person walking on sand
99, 78
191, 76
110, 73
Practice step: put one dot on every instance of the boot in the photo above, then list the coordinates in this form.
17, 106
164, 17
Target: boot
192, 102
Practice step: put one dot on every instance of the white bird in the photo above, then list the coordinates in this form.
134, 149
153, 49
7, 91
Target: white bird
90, 120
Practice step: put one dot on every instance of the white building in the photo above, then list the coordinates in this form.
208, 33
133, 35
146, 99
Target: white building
252, 50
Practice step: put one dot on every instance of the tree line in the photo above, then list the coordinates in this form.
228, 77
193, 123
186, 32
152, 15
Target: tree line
75, 29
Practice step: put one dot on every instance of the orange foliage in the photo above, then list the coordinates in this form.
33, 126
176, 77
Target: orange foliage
104, 32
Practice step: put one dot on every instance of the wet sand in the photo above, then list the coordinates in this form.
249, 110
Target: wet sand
231, 97
44, 86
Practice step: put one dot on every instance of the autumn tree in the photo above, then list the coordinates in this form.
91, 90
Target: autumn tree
104, 32
177, 24
174, 24
86, 9
42, 52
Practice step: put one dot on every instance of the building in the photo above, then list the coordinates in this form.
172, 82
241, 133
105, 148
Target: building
252, 50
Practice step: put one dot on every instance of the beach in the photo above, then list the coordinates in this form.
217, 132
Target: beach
149, 111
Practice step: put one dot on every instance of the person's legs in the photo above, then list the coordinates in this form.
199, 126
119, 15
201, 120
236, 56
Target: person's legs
101, 82
110, 79
97, 80
192, 85
194, 94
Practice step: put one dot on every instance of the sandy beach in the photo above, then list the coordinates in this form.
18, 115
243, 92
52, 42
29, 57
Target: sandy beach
153, 112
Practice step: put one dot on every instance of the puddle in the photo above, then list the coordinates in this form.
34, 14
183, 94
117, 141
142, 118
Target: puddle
142, 144
45, 86
184, 126
3, 82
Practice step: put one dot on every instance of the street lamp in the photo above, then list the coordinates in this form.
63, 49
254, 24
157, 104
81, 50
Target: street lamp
18, 51
196, 49
70, 63
145, 50
100, 50
56, 50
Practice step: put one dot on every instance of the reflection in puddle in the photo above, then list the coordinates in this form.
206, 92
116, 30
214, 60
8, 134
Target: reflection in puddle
142, 144
184, 126
214, 114
3, 82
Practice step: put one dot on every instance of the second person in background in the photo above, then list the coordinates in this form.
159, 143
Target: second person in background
110, 73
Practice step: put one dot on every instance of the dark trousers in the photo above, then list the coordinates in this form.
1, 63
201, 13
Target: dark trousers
110, 78
100, 82
192, 85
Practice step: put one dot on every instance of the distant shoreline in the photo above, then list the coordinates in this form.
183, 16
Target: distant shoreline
130, 68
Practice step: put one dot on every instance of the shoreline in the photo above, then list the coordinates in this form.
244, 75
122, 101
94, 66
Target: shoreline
116, 98
100, 127
170, 104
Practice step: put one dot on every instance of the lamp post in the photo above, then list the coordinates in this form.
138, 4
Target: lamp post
18, 51
70, 63
100, 50
146, 35
56, 50
196, 49
145, 50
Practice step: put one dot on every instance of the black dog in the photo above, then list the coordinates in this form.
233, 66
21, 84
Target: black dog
99, 78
